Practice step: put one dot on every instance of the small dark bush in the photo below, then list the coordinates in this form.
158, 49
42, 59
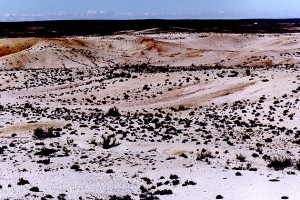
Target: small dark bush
204, 154
163, 192
280, 162
114, 197
238, 174
248, 72
233, 73
298, 164
186, 183
41, 134
61, 197
114, 112
34, 189
22, 182
147, 180
175, 182
48, 196
174, 176
219, 197
110, 171
109, 141
182, 108
27, 105
45, 162
240, 157
76, 168
1, 150
183, 155
45, 152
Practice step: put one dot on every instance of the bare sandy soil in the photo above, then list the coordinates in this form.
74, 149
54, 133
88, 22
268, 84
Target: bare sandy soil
156, 49
198, 116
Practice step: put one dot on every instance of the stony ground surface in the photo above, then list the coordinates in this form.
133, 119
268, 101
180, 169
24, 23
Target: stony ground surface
149, 132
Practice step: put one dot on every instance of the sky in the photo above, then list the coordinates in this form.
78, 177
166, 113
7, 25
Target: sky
36, 10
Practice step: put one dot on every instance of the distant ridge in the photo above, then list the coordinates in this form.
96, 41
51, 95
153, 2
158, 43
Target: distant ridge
107, 27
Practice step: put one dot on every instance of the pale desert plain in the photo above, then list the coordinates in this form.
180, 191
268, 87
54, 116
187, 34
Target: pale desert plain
151, 115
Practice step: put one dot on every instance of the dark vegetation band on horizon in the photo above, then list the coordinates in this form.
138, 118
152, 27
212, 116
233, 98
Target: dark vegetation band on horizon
106, 27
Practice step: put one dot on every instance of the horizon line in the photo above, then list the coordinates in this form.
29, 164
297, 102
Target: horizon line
152, 19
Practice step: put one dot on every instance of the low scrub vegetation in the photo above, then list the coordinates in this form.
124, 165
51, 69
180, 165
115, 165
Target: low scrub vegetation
298, 164
113, 112
204, 154
241, 157
280, 162
41, 134
109, 141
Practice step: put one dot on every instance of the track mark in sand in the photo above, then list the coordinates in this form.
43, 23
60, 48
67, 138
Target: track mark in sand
19, 128
60, 87
178, 153
195, 53
256, 91
176, 95
231, 90
192, 95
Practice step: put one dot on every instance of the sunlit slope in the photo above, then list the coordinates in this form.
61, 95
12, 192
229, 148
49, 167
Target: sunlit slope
157, 49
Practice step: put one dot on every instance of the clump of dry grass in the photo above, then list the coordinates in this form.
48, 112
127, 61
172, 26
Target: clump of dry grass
41, 134
298, 164
204, 154
109, 141
113, 112
280, 162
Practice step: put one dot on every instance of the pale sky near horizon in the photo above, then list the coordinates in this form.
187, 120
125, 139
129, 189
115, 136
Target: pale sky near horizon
30, 10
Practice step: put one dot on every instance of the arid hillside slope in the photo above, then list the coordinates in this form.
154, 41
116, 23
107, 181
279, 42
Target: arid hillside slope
158, 49
79, 121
